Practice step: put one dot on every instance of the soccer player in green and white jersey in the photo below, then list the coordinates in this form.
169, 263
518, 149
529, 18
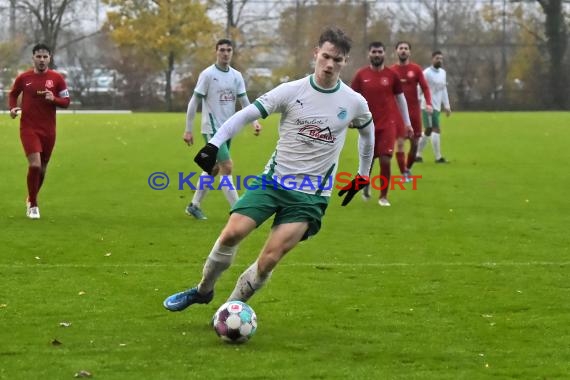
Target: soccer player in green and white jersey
316, 112
219, 86
436, 78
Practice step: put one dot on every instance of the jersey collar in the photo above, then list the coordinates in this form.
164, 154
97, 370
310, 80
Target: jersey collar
320, 89
221, 69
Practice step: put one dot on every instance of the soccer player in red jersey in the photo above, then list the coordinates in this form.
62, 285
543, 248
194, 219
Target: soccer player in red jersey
42, 91
382, 89
411, 75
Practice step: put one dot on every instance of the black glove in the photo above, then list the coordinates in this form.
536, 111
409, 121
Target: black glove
359, 182
206, 157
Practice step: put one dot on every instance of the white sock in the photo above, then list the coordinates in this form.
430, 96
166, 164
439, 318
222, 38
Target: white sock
422, 144
436, 144
248, 283
230, 192
201, 190
219, 259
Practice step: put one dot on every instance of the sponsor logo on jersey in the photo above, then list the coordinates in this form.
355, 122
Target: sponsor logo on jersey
227, 96
317, 134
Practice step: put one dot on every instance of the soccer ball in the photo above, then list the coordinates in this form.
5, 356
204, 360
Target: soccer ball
235, 322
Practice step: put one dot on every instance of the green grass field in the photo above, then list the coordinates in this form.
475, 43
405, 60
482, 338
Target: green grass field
465, 278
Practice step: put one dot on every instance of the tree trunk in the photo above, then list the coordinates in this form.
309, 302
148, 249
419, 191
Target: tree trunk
557, 41
168, 89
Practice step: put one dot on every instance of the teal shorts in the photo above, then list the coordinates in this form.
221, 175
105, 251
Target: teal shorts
289, 206
434, 119
223, 151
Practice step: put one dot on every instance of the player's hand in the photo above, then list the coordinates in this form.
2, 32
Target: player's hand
49, 96
14, 112
359, 182
409, 131
256, 128
448, 112
429, 109
188, 138
206, 158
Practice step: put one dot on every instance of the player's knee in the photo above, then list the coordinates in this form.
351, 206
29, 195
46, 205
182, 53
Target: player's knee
231, 236
226, 167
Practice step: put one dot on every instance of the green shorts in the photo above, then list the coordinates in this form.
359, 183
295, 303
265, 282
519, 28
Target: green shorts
263, 199
223, 151
434, 119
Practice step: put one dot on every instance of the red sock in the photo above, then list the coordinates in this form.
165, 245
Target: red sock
34, 174
385, 173
412, 156
42, 176
401, 158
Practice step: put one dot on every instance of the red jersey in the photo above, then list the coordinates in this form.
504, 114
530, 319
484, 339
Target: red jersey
379, 88
410, 76
38, 113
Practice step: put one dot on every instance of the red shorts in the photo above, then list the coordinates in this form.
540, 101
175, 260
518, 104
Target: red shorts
384, 140
416, 119
37, 142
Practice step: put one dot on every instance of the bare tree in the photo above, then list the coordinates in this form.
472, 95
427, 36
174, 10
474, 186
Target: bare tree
556, 32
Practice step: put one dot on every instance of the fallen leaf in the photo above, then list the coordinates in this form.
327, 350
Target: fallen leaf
83, 373
64, 324
81, 293
108, 254
37, 258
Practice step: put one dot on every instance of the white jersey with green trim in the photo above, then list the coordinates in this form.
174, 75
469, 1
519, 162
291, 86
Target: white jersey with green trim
219, 91
437, 81
312, 131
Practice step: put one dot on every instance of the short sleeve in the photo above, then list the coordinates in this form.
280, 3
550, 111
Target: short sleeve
240, 90
397, 86
275, 100
201, 88
363, 116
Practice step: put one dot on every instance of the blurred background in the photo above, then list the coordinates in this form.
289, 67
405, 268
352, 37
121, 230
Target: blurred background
147, 54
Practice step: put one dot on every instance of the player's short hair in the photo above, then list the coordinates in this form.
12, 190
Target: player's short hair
39, 47
375, 44
403, 42
337, 37
436, 52
224, 41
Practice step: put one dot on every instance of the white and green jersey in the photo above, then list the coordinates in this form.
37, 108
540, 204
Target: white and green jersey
437, 82
312, 131
219, 91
